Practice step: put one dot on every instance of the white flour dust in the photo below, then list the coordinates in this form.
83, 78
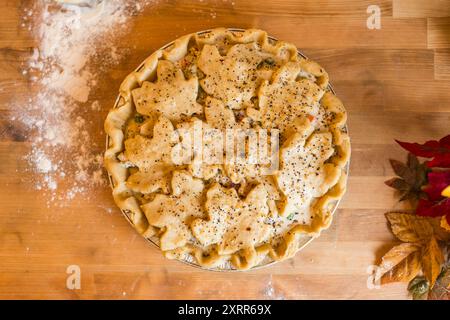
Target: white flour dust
58, 115
269, 291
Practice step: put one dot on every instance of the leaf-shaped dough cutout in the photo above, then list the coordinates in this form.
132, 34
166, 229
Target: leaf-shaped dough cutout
152, 157
233, 224
171, 95
304, 173
200, 147
286, 98
218, 115
173, 213
231, 78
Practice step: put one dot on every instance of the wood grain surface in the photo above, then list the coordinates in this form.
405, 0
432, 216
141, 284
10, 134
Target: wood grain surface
394, 82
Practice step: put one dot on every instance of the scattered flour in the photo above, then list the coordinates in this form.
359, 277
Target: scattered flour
70, 37
76, 44
269, 291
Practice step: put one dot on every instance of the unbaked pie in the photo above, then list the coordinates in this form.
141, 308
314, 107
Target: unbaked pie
228, 146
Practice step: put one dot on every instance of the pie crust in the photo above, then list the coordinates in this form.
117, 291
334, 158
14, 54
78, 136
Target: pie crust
220, 213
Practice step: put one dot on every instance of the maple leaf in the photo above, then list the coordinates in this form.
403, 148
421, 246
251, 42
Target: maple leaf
170, 95
304, 167
233, 224
410, 228
172, 213
439, 151
287, 98
411, 177
231, 78
401, 263
432, 260
152, 156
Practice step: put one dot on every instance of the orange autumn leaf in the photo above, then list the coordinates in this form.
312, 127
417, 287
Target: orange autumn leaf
432, 260
440, 232
444, 225
401, 263
409, 228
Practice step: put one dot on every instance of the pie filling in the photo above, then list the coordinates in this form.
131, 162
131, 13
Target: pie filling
228, 146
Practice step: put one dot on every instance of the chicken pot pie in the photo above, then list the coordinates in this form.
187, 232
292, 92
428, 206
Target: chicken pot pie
171, 118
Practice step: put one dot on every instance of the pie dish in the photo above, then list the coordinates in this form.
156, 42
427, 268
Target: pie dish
232, 214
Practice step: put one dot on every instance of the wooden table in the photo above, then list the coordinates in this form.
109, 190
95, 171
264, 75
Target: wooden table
394, 82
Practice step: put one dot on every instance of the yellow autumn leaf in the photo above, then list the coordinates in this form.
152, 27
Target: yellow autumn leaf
444, 223
446, 192
432, 260
409, 228
400, 264
440, 232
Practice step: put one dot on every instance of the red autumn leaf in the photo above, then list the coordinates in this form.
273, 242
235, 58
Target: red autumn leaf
437, 182
445, 141
440, 161
429, 149
429, 208
438, 150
